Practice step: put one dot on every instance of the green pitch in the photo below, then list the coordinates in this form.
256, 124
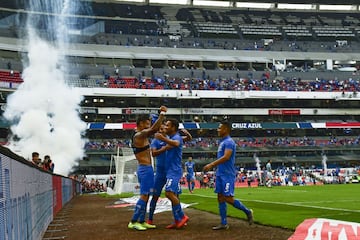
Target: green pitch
287, 207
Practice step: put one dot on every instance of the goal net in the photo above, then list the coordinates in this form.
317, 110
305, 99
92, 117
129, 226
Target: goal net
125, 165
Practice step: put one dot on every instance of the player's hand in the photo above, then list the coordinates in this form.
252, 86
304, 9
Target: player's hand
159, 136
163, 109
184, 131
207, 167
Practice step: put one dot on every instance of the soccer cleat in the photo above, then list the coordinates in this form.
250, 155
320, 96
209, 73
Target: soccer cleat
150, 222
137, 226
250, 217
147, 225
182, 222
221, 227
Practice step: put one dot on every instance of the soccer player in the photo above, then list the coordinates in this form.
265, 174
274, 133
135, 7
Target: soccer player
145, 172
190, 174
158, 150
174, 170
225, 176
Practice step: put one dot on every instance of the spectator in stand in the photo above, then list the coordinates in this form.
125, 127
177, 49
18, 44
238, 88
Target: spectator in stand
46, 163
52, 165
145, 172
225, 176
35, 159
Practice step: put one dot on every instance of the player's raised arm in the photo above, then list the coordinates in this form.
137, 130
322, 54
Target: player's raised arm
187, 135
155, 127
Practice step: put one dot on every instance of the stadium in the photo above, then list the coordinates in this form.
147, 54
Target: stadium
76, 74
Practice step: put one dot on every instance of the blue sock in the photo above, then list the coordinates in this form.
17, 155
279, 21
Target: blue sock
192, 185
176, 218
223, 212
239, 205
189, 186
142, 213
178, 212
152, 208
140, 205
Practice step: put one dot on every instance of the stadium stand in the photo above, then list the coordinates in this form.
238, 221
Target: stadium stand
177, 78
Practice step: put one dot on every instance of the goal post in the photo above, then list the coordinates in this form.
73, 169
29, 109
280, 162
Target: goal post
125, 165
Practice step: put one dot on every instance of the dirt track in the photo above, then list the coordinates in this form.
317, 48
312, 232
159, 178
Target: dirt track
89, 217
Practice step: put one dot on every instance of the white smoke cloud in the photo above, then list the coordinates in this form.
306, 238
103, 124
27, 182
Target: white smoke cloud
44, 109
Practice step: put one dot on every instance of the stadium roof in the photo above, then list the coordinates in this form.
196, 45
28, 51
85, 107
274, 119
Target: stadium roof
258, 1
315, 4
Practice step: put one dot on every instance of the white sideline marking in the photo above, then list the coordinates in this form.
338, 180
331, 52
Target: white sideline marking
289, 204
308, 206
285, 190
327, 201
205, 196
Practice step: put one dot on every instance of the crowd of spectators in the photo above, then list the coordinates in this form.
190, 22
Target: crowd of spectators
281, 176
161, 39
107, 144
285, 176
299, 141
209, 142
265, 83
292, 176
236, 83
91, 185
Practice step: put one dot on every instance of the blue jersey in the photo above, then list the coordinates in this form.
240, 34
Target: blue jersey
161, 158
227, 168
189, 165
174, 157
160, 177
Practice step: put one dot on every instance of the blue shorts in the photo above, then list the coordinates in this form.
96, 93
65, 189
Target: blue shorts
173, 185
160, 181
225, 185
146, 179
190, 177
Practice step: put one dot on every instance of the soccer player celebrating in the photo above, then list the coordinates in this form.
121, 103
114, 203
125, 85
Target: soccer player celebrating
225, 176
158, 150
174, 170
145, 172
